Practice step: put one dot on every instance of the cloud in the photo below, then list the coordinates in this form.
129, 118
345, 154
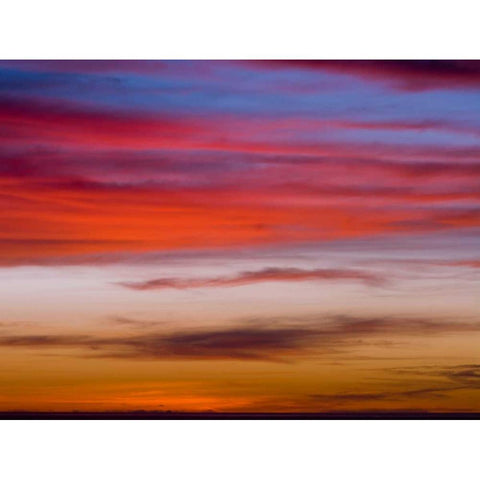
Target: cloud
129, 322
341, 398
233, 343
407, 125
464, 263
402, 74
158, 181
46, 340
438, 382
467, 375
68, 122
266, 275
139, 181
266, 340
87, 66
414, 75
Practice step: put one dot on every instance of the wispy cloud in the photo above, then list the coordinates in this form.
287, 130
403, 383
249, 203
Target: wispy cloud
134, 323
465, 263
252, 340
265, 275
415, 75
436, 382
344, 398
466, 374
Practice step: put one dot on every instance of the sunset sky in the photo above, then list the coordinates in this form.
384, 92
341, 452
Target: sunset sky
240, 236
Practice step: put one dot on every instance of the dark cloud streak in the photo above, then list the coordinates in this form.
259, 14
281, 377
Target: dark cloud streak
410, 75
267, 340
265, 275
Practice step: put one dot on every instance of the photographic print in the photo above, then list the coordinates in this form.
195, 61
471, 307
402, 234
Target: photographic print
244, 239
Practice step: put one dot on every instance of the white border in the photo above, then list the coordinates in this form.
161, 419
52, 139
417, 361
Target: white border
393, 450
221, 29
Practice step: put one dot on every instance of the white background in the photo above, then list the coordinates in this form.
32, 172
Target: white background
229, 450
243, 29
243, 450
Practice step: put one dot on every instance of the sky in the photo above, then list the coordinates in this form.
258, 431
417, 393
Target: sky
240, 236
